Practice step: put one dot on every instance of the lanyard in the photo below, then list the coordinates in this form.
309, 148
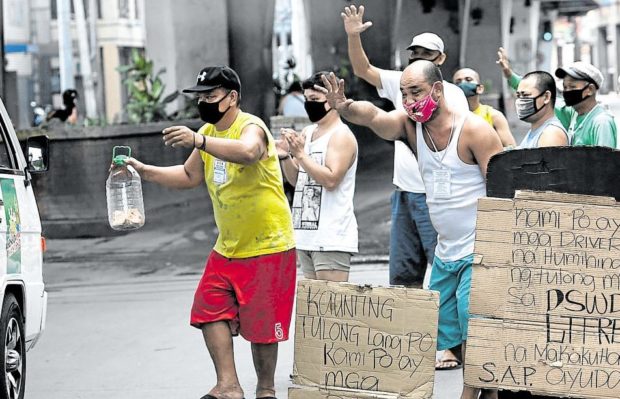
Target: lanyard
574, 128
435, 147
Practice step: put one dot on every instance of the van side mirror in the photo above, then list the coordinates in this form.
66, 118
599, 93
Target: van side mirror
37, 153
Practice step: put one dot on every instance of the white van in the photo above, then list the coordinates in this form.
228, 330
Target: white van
24, 300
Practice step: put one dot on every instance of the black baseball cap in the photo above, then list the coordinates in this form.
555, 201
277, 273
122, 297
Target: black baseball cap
213, 77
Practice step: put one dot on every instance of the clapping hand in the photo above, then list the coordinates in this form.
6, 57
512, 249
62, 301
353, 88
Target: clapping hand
282, 145
295, 142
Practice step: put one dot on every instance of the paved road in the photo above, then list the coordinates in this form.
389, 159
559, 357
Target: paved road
131, 339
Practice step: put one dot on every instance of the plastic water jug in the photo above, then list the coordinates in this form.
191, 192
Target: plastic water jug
124, 192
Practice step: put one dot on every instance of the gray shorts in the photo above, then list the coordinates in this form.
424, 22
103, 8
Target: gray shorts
316, 261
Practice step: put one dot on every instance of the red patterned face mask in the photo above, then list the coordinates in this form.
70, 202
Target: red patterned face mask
422, 110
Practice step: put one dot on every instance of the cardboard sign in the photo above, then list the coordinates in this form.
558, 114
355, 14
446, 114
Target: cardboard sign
320, 393
361, 338
545, 296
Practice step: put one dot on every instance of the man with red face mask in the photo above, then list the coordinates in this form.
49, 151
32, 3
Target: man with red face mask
453, 150
412, 235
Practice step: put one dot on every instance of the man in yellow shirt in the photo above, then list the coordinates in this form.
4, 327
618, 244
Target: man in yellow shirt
468, 80
248, 284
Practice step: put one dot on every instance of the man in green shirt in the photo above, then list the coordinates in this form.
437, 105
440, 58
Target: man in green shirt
587, 122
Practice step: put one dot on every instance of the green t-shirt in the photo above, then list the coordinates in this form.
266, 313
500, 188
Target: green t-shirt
597, 127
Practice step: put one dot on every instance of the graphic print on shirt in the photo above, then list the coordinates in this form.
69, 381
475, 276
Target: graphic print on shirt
307, 199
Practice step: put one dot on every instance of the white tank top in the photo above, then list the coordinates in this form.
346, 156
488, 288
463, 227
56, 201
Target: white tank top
452, 206
324, 220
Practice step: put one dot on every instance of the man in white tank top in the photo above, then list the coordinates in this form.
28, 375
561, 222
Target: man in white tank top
453, 151
412, 235
321, 163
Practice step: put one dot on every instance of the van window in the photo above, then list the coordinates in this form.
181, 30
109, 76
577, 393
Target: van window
6, 161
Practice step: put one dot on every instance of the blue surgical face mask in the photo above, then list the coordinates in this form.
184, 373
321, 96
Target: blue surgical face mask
469, 88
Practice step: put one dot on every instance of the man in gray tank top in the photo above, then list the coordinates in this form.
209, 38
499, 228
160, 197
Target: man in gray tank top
535, 105
453, 151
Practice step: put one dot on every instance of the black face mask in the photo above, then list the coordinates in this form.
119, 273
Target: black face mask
574, 97
412, 60
315, 110
209, 112
526, 106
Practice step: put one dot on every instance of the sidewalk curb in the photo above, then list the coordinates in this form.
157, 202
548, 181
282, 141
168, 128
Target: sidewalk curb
366, 259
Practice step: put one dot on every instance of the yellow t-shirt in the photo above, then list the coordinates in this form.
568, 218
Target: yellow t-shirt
484, 111
249, 205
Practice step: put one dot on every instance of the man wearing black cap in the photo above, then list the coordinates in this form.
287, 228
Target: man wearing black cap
249, 280
587, 123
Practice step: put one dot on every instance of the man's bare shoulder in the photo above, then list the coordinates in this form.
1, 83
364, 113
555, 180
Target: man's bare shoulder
553, 136
497, 114
475, 126
343, 133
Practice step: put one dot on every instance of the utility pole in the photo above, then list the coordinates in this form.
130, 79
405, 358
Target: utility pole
65, 49
2, 51
93, 16
89, 87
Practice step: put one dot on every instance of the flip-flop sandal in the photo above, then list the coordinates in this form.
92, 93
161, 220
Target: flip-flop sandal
457, 366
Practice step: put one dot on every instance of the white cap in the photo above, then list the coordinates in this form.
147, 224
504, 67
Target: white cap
429, 41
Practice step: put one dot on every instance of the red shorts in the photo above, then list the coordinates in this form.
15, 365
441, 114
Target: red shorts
255, 295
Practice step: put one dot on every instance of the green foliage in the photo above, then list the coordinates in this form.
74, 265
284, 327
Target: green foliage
146, 101
96, 122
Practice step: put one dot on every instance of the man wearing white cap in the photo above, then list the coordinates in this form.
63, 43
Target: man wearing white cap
587, 123
412, 237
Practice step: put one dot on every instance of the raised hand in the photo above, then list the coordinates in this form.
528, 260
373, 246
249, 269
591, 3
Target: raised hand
334, 92
502, 61
353, 18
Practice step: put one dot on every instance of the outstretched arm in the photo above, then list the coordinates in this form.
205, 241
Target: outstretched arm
504, 64
387, 125
249, 149
354, 26
188, 175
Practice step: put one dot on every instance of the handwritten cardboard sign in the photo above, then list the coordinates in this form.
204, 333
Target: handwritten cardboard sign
364, 339
546, 296
321, 393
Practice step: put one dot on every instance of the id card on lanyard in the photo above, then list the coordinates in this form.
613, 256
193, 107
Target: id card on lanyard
219, 171
442, 181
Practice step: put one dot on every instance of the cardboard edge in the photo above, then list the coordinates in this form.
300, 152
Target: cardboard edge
552, 196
